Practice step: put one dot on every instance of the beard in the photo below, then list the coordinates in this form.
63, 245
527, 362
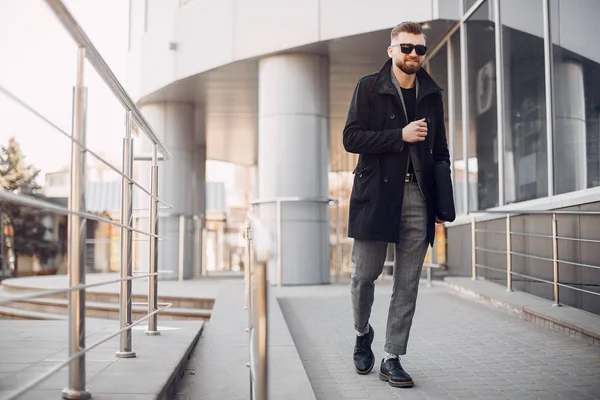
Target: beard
409, 69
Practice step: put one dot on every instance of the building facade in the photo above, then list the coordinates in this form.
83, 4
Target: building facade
267, 83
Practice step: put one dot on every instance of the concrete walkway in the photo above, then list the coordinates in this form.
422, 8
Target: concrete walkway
458, 350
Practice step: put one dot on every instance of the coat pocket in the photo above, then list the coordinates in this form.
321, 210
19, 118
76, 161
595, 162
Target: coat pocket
364, 184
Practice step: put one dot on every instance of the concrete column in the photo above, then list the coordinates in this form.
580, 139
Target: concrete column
570, 172
293, 161
181, 183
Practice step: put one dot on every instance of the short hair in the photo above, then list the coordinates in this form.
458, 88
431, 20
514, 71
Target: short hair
408, 27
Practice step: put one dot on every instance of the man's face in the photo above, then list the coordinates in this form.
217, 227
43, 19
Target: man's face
408, 63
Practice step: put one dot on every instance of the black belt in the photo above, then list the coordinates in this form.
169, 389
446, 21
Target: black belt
410, 178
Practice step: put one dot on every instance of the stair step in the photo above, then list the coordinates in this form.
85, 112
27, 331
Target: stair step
14, 313
104, 310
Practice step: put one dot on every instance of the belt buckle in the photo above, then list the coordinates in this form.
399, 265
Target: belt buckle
408, 178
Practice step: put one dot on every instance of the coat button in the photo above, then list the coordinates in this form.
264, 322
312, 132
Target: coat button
360, 175
385, 179
392, 116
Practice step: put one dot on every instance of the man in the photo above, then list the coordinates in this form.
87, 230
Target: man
396, 125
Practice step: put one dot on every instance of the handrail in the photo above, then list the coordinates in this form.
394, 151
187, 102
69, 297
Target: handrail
9, 299
94, 57
32, 202
77, 218
554, 237
297, 199
26, 106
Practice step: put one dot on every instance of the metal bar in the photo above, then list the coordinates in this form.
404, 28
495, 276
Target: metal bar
249, 265
490, 268
514, 253
338, 244
542, 212
555, 260
577, 264
279, 244
7, 299
94, 57
578, 240
261, 332
471, 10
531, 235
153, 247
464, 83
490, 250
198, 246
549, 84
291, 200
532, 278
508, 256
473, 250
578, 289
499, 99
125, 315
429, 277
32, 202
146, 158
52, 371
490, 231
22, 103
76, 236
181, 246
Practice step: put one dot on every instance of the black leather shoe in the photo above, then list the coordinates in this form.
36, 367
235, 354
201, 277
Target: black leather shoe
391, 371
364, 359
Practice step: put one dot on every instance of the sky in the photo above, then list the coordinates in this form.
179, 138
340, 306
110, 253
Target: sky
38, 64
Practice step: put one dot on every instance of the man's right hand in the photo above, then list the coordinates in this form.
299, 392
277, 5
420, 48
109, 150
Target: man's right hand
416, 131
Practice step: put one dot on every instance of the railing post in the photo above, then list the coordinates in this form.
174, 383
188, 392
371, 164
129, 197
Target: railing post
76, 233
153, 240
181, 245
473, 250
198, 246
125, 350
279, 244
508, 256
555, 259
248, 267
260, 327
338, 235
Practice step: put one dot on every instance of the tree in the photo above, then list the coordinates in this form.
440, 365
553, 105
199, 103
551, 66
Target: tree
16, 176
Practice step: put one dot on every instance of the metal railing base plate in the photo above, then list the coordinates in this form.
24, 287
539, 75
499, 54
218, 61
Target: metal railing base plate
125, 354
76, 394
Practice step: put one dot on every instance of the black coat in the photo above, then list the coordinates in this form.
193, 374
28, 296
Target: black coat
374, 131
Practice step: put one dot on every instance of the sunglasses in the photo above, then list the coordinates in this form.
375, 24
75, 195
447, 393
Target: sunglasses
407, 48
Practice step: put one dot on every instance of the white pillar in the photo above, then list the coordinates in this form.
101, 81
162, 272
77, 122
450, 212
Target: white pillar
180, 183
570, 155
293, 161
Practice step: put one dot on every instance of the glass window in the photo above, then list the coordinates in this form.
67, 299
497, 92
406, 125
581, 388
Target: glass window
525, 151
576, 95
482, 154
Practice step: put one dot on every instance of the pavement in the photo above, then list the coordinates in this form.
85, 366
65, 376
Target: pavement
459, 349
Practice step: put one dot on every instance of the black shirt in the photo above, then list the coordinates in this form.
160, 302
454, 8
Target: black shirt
410, 101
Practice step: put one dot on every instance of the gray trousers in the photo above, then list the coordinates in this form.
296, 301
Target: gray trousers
368, 258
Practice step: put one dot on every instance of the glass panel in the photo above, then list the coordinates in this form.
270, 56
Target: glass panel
438, 69
525, 152
483, 156
576, 95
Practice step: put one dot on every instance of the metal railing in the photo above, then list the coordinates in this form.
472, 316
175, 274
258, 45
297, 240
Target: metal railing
508, 234
256, 301
77, 217
278, 201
